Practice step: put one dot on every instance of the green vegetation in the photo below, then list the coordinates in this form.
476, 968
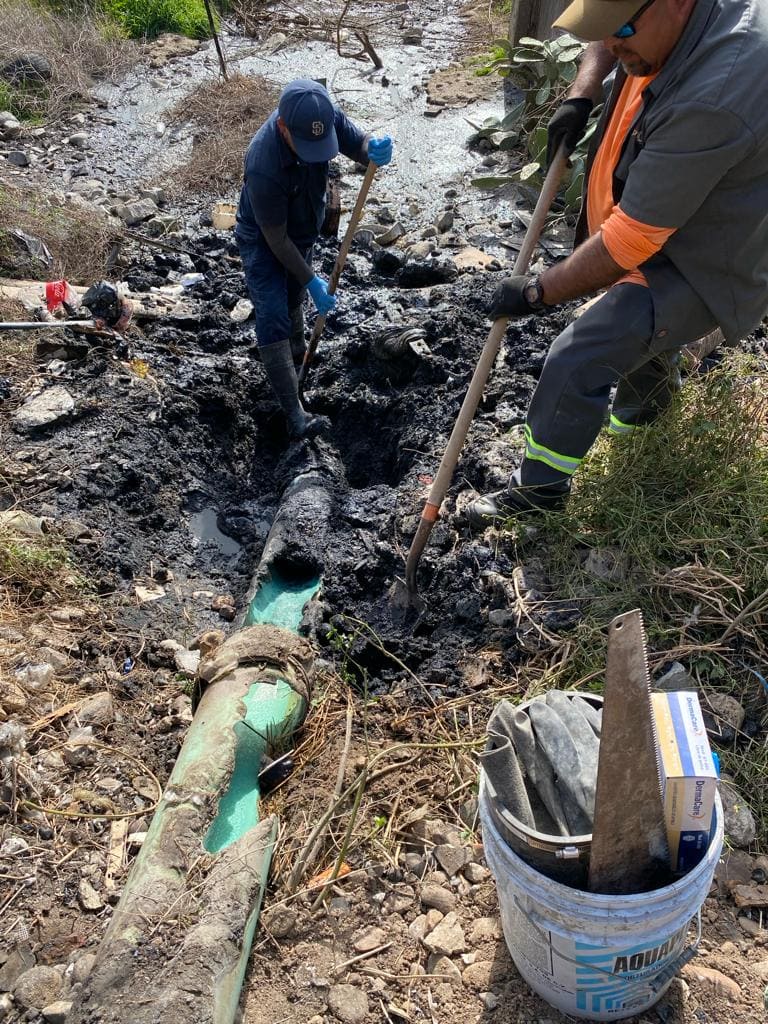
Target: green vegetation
33, 568
543, 71
146, 19
681, 509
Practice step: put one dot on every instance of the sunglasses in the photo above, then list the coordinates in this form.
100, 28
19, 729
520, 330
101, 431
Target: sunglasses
628, 28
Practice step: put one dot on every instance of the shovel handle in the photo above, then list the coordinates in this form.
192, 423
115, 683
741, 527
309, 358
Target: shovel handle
341, 259
472, 398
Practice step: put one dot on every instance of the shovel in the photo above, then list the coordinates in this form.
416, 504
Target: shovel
341, 259
490, 349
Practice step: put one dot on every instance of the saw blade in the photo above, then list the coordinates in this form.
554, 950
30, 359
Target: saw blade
629, 852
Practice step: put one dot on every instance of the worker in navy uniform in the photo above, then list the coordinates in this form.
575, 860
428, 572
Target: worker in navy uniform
281, 212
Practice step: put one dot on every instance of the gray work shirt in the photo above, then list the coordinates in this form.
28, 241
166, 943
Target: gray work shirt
696, 159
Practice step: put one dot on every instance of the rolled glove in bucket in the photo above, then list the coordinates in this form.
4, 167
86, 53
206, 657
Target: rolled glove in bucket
593, 956
562, 855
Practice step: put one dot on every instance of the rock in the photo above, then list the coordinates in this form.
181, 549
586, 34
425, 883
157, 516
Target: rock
750, 895
429, 232
391, 235
56, 1013
485, 973
162, 224
79, 140
18, 158
413, 36
187, 661
675, 678
26, 69
155, 194
89, 898
739, 823
368, 939
79, 751
82, 967
35, 677
348, 1004
752, 928
444, 968
12, 697
451, 859
13, 741
6, 1005
436, 896
424, 273
13, 846
44, 410
280, 922
415, 863
418, 927
717, 982
489, 1000
476, 873
136, 211
433, 918
19, 959
98, 710
723, 717
241, 311
10, 126
56, 659
421, 249
448, 937
760, 970
445, 221
387, 263
607, 564
38, 987
485, 929
364, 237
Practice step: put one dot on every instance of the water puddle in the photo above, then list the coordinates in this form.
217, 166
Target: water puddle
203, 525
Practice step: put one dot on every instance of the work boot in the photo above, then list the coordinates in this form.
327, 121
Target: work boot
298, 344
514, 500
281, 374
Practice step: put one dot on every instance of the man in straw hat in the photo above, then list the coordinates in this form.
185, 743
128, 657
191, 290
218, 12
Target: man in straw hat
674, 224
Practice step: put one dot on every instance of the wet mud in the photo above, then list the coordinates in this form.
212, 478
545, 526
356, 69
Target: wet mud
176, 458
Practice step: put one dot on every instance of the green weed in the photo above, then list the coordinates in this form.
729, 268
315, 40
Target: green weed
146, 19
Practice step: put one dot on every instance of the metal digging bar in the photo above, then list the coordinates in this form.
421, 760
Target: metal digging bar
341, 259
452, 451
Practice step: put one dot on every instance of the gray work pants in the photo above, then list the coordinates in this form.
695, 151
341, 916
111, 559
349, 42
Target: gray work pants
617, 341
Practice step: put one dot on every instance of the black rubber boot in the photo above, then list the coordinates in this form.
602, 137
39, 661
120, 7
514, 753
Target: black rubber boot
514, 500
278, 363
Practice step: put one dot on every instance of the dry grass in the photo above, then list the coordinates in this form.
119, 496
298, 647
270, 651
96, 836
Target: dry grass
78, 241
225, 115
79, 50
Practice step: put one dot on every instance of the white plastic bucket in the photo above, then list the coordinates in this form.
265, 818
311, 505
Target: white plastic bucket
593, 956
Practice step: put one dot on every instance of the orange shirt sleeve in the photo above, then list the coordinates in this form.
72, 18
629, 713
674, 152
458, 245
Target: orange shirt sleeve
629, 241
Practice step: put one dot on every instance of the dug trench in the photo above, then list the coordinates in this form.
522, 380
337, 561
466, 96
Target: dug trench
175, 456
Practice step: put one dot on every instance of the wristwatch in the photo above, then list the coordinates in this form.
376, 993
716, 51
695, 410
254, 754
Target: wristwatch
533, 294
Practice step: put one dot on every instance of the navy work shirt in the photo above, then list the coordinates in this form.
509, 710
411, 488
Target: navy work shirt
279, 188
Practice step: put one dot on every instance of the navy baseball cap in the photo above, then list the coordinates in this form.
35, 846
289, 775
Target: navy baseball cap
307, 110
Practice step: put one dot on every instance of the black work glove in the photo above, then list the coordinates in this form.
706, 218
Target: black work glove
568, 124
508, 299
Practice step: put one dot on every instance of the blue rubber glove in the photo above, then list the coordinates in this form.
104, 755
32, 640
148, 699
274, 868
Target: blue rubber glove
380, 150
318, 289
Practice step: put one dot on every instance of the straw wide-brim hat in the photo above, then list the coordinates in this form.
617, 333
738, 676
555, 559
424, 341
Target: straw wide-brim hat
596, 19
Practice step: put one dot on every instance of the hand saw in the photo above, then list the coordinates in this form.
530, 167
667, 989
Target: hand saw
629, 852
